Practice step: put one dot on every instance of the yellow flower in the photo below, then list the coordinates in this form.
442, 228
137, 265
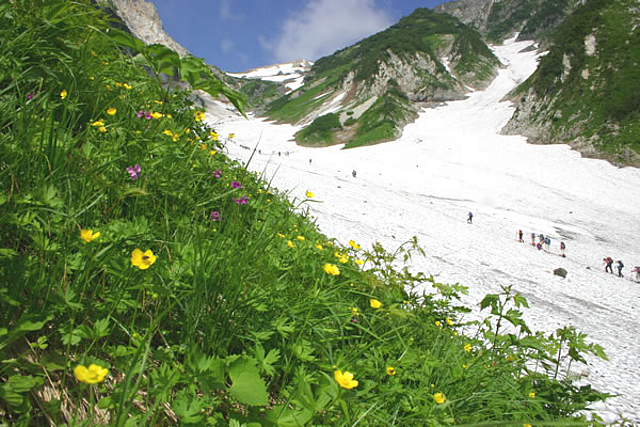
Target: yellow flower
91, 78
309, 195
358, 261
97, 123
449, 322
118, 84
280, 235
157, 102
214, 136
199, 116
232, 135
438, 324
319, 247
301, 238
526, 425
156, 115
290, 243
439, 398
111, 111
354, 245
105, 63
91, 375
167, 132
532, 394
89, 235
374, 303
467, 347
391, 370
343, 259
345, 380
331, 269
354, 311
102, 129
142, 260
213, 152
127, 86
464, 366
63, 94
93, 52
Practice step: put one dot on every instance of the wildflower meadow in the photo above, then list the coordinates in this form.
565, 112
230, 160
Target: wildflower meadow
148, 279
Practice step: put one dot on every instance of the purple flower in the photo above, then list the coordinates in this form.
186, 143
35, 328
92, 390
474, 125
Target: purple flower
145, 114
241, 200
235, 184
354, 319
134, 171
29, 96
217, 173
214, 216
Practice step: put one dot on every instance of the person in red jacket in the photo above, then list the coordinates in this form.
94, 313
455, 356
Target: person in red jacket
608, 261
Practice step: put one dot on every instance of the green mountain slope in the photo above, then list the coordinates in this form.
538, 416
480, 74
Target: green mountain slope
377, 86
586, 91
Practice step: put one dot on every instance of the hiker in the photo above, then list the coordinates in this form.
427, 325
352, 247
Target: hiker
547, 244
619, 266
353, 173
470, 218
309, 161
636, 269
562, 248
533, 239
520, 236
608, 261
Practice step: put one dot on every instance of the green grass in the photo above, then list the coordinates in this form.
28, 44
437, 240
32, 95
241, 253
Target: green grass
242, 312
320, 131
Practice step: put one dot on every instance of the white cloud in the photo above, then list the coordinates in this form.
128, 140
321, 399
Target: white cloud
225, 12
325, 26
226, 45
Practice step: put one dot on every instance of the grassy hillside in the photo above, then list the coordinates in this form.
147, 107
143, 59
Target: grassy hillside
593, 96
147, 279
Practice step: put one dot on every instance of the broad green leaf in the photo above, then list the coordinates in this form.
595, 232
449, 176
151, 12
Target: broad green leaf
247, 386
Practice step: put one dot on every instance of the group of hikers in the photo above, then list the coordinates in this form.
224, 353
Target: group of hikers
544, 242
608, 267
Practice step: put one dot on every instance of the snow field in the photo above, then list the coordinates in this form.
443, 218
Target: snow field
451, 161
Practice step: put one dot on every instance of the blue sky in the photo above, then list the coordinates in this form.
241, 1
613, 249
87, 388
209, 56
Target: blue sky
237, 35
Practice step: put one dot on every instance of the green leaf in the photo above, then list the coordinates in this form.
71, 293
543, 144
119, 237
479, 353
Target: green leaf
247, 386
188, 407
163, 59
488, 300
100, 328
126, 39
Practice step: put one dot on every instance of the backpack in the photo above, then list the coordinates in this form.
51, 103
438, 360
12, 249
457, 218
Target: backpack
620, 264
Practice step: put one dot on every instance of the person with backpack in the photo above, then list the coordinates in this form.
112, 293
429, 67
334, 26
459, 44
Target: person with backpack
636, 269
470, 218
533, 239
547, 244
608, 261
520, 236
562, 248
619, 266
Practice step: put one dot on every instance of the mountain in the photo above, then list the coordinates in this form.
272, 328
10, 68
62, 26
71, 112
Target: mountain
499, 19
367, 92
586, 90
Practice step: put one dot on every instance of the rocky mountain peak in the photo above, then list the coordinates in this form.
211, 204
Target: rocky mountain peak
142, 19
